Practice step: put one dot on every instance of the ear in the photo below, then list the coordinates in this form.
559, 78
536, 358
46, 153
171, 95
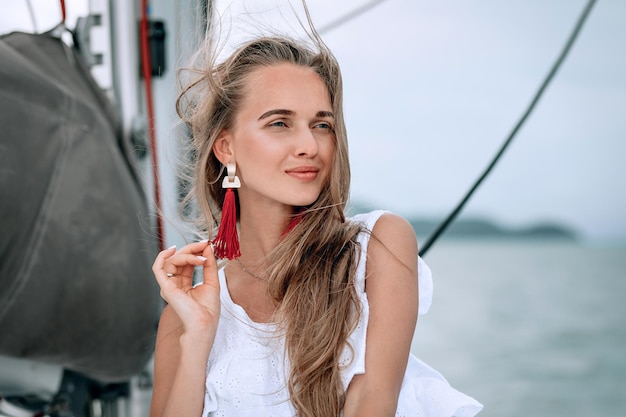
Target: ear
222, 147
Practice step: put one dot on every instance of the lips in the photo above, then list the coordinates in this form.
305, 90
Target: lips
304, 173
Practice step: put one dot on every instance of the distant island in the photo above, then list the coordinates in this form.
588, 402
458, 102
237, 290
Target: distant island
476, 227
482, 228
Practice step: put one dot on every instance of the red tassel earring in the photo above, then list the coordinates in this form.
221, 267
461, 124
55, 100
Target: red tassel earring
226, 243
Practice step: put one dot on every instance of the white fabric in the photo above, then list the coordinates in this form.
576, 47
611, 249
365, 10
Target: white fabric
247, 369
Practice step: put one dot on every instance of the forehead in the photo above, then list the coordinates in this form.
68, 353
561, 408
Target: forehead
286, 86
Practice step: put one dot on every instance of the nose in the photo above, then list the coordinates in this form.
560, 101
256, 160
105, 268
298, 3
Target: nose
306, 143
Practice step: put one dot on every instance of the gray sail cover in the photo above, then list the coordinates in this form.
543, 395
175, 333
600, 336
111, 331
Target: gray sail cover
76, 245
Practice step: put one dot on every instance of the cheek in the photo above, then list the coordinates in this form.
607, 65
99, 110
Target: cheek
327, 149
257, 165
329, 160
330, 156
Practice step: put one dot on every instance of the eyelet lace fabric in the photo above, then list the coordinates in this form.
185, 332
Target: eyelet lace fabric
247, 369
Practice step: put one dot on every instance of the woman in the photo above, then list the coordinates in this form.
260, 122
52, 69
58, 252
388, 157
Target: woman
287, 324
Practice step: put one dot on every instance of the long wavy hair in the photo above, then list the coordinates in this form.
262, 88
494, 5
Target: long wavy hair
312, 269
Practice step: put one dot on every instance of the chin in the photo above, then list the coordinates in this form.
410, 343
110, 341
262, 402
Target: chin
302, 196
303, 201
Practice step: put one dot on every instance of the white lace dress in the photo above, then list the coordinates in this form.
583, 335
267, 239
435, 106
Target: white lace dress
247, 370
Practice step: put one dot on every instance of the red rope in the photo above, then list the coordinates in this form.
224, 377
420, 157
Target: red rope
147, 76
63, 15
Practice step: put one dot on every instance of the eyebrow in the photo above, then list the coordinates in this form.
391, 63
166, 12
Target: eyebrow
285, 112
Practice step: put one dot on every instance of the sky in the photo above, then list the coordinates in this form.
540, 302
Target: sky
433, 87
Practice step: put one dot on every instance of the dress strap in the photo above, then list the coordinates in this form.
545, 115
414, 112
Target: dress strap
367, 222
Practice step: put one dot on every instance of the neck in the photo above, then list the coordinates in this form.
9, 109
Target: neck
260, 232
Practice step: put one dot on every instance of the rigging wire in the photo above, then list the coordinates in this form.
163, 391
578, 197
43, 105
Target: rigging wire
31, 12
146, 69
566, 49
349, 16
63, 14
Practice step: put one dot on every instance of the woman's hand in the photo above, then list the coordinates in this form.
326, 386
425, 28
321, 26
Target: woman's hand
198, 307
186, 330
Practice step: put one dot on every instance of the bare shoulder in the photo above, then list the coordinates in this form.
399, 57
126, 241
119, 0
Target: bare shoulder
392, 296
393, 238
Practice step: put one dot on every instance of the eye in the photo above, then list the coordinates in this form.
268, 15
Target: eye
278, 123
324, 125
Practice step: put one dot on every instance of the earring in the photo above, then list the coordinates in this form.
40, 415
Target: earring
226, 242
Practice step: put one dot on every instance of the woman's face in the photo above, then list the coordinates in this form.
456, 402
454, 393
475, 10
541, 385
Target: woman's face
283, 140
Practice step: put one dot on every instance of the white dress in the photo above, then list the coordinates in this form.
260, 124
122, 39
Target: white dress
247, 370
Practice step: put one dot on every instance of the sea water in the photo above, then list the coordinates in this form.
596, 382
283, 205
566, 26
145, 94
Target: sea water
529, 328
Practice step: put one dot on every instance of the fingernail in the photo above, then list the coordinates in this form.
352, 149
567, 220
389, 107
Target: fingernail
204, 241
202, 258
171, 247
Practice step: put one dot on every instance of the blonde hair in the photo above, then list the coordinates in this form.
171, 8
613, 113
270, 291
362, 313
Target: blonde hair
312, 269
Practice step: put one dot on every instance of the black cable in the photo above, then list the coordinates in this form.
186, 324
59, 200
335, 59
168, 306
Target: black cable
444, 225
349, 16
